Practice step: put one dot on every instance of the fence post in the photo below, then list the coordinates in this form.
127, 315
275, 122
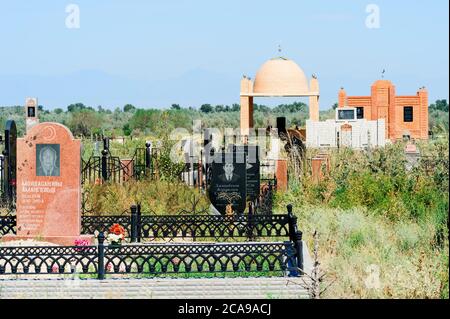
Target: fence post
270, 199
292, 223
134, 223
101, 256
298, 244
106, 143
250, 221
104, 165
139, 225
148, 157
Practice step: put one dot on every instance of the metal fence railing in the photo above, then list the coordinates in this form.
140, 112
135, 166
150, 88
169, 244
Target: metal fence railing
161, 258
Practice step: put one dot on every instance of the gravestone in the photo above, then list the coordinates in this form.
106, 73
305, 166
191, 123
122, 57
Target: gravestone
31, 113
253, 169
49, 185
412, 155
228, 182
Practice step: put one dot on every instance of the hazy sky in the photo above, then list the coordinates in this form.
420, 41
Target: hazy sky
154, 53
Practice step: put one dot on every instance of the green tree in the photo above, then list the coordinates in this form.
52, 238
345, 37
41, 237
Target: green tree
127, 129
206, 108
129, 108
76, 107
219, 108
84, 122
440, 105
143, 119
175, 107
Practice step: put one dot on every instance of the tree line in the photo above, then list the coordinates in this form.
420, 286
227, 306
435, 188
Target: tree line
131, 120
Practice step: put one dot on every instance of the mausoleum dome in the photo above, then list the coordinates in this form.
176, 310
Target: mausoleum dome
280, 77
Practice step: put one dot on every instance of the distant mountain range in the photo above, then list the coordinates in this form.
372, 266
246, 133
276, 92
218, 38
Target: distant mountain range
95, 88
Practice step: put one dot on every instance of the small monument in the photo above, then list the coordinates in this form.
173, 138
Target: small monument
228, 182
48, 185
412, 155
31, 111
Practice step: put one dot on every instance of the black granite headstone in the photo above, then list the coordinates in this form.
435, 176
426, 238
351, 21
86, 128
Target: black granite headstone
253, 168
281, 125
228, 182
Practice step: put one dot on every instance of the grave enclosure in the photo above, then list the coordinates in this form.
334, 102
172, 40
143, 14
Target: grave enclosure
47, 190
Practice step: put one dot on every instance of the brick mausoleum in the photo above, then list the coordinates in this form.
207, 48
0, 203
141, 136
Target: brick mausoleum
403, 115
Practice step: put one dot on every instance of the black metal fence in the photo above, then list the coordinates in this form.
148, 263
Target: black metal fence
155, 259
162, 258
109, 168
140, 228
7, 225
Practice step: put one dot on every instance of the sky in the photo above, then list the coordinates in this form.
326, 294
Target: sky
155, 53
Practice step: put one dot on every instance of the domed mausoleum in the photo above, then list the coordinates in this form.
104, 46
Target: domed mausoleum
280, 77
276, 78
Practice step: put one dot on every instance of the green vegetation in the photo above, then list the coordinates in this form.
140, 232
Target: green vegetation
371, 214
370, 211
155, 197
139, 122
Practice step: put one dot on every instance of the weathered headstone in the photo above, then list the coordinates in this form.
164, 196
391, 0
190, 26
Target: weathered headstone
412, 155
253, 168
48, 185
228, 182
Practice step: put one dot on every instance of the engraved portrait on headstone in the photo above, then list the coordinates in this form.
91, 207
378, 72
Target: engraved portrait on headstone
228, 176
47, 160
228, 182
31, 111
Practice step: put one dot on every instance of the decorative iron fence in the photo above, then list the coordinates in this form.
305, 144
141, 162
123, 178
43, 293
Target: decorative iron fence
7, 225
108, 168
48, 260
198, 258
151, 259
169, 227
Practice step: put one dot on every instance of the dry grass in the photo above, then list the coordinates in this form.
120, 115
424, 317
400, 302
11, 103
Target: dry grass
155, 197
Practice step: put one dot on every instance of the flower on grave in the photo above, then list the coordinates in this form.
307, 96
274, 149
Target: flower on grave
55, 268
116, 234
115, 238
176, 261
117, 229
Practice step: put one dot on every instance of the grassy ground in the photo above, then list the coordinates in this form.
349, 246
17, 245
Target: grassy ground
369, 256
383, 230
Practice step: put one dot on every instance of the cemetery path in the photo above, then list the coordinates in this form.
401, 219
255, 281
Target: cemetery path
164, 288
